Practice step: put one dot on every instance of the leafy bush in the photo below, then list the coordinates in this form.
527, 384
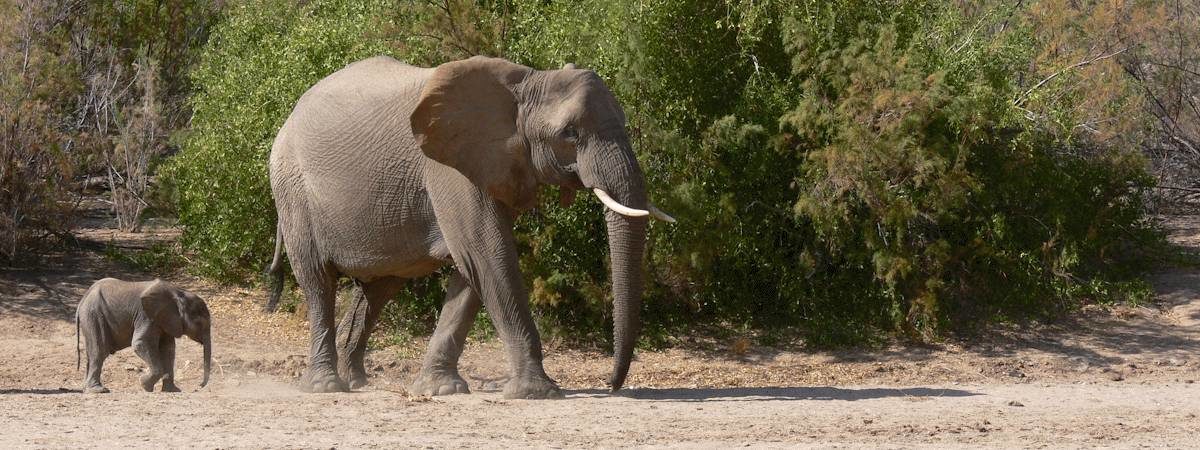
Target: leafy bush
35, 166
259, 60
841, 169
863, 169
160, 259
87, 88
933, 183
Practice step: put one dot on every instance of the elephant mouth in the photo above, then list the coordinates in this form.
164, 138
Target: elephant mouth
623, 210
574, 182
571, 177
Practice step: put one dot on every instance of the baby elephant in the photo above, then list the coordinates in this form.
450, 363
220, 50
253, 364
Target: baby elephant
146, 315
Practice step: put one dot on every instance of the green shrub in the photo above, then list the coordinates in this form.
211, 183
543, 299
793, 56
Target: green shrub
80, 83
864, 170
261, 57
842, 170
958, 208
161, 259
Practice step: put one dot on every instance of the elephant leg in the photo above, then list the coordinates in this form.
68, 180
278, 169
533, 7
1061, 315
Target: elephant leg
439, 373
320, 291
96, 357
358, 323
479, 234
146, 345
166, 355
503, 294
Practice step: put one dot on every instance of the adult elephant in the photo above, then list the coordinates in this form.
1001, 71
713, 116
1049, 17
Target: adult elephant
386, 171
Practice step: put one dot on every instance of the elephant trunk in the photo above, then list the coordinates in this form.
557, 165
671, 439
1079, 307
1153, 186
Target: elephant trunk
618, 182
207, 358
626, 243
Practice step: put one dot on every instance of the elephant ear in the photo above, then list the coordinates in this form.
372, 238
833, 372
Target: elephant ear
161, 305
466, 118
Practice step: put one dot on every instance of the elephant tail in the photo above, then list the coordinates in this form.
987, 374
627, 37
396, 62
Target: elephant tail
275, 272
77, 342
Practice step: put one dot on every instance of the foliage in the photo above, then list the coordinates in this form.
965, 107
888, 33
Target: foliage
36, 164
1165, 68
160, 259
869, 172
923, 175
841, 169
88, 88
260, 59
133, 57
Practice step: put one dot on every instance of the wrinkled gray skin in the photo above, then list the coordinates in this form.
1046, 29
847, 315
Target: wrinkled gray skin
386, 171
147, 315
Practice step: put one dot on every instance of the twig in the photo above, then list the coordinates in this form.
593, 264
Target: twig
971, 34
1185, 143
1177, 188
1021, 100
1172, 66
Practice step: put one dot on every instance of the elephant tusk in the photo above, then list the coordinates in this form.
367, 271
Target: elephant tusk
617, 207
658, 214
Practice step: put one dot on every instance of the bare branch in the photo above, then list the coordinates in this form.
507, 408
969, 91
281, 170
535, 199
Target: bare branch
1177, 188
1021, 99
1175, 67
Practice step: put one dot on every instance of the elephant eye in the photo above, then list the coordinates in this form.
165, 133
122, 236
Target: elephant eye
569, 133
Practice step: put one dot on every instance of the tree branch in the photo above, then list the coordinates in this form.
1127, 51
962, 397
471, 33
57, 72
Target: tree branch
1021, 99
1172, 66
1177, 188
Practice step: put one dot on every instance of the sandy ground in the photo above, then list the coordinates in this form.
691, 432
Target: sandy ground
1107, 377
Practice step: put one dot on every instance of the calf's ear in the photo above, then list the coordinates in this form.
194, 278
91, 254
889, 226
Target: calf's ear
161, 305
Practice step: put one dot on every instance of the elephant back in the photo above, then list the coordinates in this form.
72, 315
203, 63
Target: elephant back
345, 167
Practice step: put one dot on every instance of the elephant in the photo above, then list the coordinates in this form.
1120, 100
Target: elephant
386, 171
147, 315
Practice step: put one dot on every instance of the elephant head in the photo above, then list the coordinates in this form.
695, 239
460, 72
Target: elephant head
509, 128
178, 313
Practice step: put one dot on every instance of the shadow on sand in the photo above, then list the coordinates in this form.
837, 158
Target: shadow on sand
52, 289
39, 391
775, 393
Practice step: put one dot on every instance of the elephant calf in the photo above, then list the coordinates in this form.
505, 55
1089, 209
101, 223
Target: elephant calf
147, 315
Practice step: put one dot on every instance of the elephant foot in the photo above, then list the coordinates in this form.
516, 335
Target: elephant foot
97, 389
355, 374
170, 387
358, 380
148, 382
321, 383
439, 382
532, 388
